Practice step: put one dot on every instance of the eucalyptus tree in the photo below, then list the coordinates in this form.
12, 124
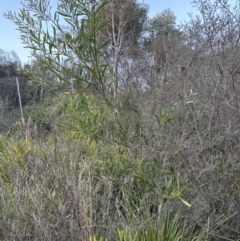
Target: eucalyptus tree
164, 42
127, 20
163, 22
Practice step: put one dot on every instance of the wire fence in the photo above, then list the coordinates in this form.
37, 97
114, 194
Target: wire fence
15, 93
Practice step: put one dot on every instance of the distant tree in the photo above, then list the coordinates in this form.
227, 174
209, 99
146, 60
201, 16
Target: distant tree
164, 22
127, 19
163, 41
9, 62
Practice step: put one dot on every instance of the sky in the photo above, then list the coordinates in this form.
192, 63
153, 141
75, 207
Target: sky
10, 37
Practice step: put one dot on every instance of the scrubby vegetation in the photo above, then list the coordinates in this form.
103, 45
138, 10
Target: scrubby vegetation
145, 147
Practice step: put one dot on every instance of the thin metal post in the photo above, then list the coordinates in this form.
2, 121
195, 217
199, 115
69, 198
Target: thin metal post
19, 97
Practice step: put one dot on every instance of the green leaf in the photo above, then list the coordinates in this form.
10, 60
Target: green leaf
64, 14
185, 202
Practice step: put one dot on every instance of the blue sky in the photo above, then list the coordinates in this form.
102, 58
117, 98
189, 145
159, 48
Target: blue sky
9, 39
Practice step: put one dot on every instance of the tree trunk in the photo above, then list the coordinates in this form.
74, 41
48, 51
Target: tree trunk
115, 71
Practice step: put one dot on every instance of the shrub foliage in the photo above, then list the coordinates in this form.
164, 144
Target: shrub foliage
156, 159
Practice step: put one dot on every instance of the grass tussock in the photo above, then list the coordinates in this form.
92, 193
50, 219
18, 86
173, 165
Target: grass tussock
76, 174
